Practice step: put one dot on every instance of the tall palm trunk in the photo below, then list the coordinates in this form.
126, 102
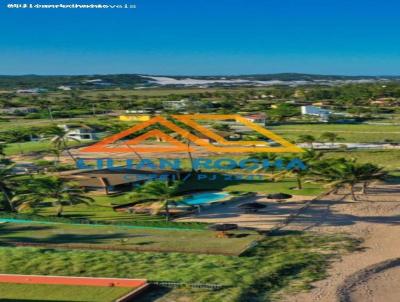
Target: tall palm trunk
66, 149
299, 183
273, 179
190, 157
50, 113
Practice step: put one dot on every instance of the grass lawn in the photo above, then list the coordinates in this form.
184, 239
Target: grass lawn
125, 238
44, 292
389, 159
263, 186
39, 146
100, 210
352, 133
283, 261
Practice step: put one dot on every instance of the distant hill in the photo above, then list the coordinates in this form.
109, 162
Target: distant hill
144, 81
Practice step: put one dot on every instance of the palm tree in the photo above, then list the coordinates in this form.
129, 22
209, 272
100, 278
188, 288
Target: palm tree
159, 191
349, 172
53, 189
7, 183
45, 104
331, 137
271, 157
310, 158
60, 139
308, 139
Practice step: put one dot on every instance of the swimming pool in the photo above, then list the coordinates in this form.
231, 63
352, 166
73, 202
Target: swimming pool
203, 198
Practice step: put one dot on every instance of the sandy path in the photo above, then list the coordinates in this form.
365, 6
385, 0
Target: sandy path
376, 289
376, 220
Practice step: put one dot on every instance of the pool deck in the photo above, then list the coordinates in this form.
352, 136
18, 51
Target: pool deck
265, 219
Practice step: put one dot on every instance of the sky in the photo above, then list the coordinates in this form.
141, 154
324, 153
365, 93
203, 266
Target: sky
203, 37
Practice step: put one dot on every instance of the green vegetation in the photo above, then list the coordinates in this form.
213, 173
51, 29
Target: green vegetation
353, 133
389, 159
53, 190
33, 147
281, 261
227, 183
124, 238
150, 247
158, 191
342, 172
70, 293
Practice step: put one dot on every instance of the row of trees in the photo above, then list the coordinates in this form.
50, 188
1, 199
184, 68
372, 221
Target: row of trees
333, 172
21, 192
329, 137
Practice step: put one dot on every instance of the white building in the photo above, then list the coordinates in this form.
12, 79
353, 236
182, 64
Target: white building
323, 114
79, 132
31, 91
65, 88
175, 105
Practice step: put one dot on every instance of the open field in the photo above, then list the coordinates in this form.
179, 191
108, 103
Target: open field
25, 123
389, 159
352, 133
278, 261
124, 238
40, 146
44, 292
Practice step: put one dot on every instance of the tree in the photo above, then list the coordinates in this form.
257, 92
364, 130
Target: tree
348, 172
308, 139
310, 158
45, 104
283, 111
330, 137
51, 189
159, 191
60, 139
270, 157
7, 183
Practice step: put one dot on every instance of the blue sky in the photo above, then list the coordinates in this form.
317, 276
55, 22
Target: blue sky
203, 37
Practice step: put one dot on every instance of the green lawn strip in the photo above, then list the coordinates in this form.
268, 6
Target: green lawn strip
276, 263
124, 238
101, 211
389, 159
45, 292
352, 133
35, 146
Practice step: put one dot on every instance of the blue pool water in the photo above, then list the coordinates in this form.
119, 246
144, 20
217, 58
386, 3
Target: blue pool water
202, 198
